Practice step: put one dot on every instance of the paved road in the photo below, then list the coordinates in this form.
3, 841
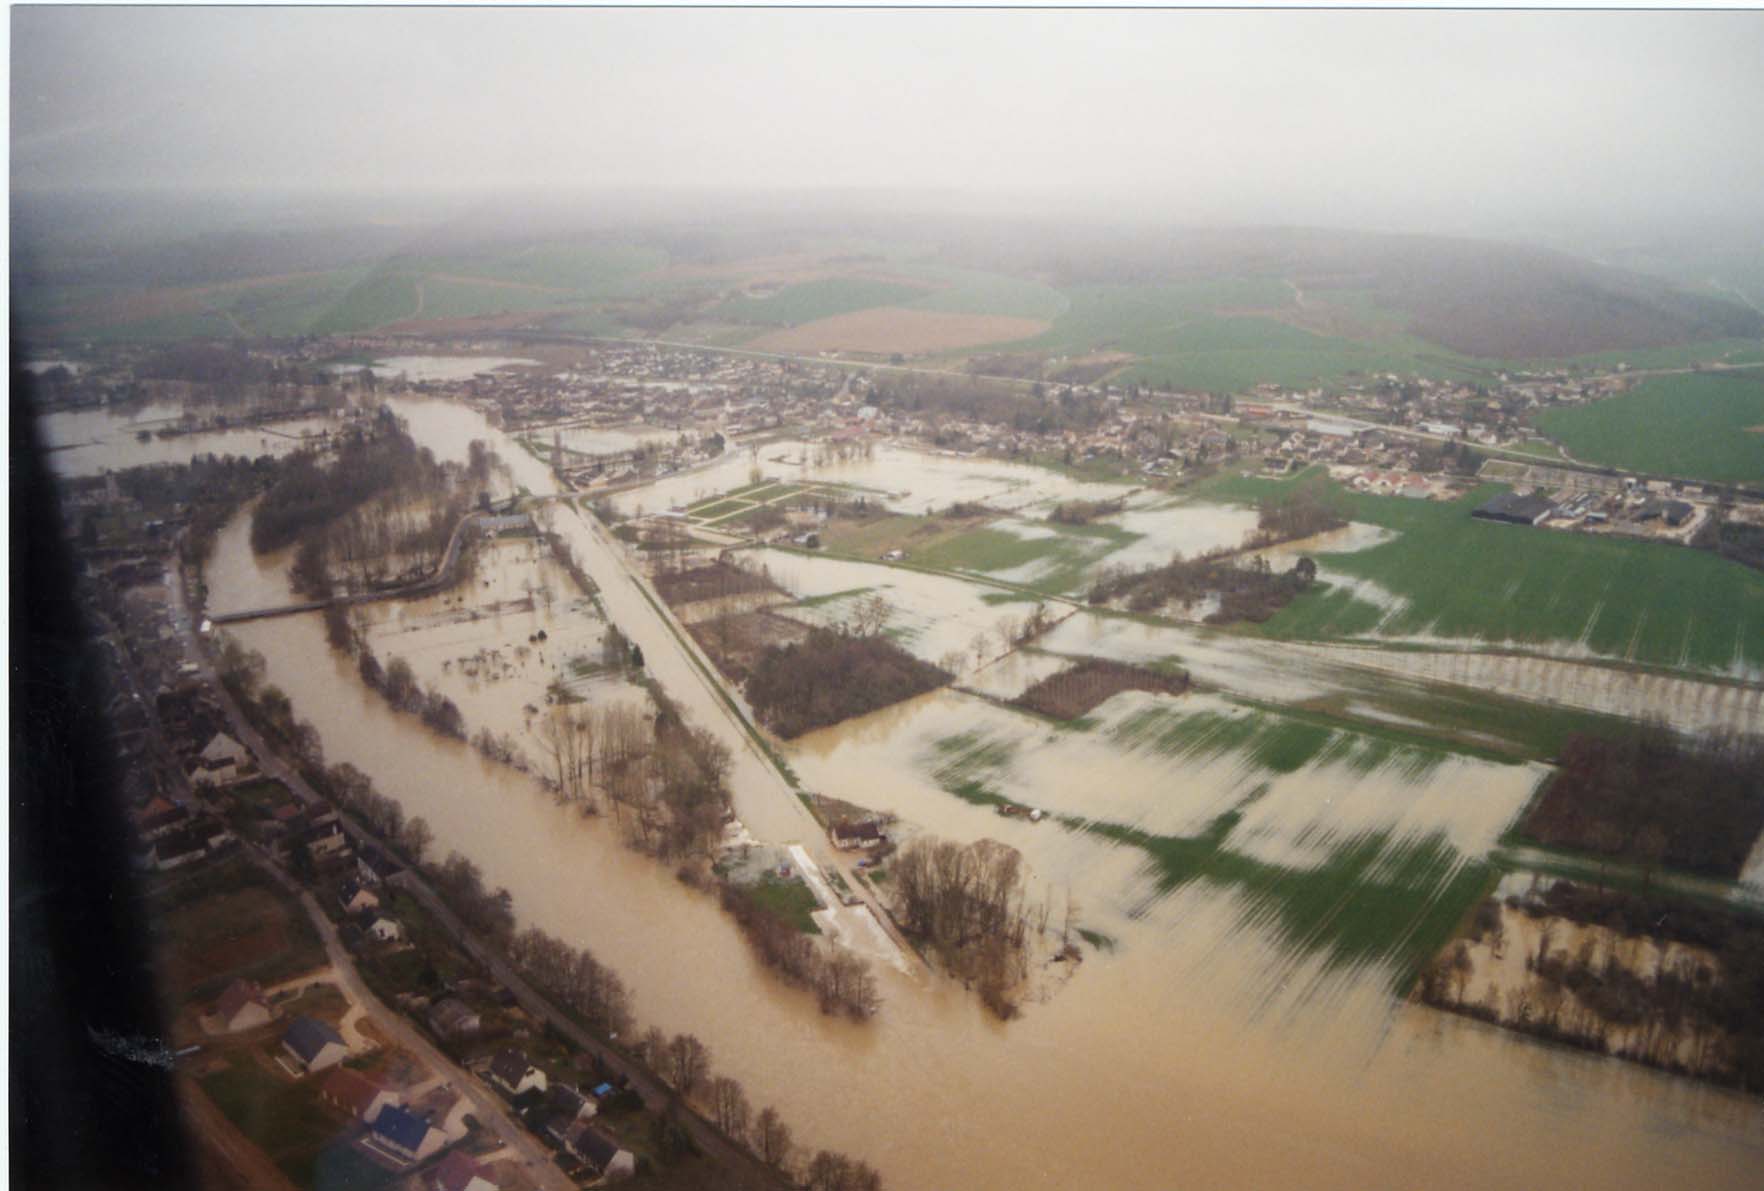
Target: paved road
765, 801
486, 1104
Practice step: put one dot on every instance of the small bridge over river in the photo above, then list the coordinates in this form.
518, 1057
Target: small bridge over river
441, 580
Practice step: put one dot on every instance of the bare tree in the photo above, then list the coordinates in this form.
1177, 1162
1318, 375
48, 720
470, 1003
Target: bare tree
771, 1138
729, 1100
688, 1063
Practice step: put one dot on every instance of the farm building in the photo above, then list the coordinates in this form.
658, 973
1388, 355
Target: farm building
1513, 509
867, 834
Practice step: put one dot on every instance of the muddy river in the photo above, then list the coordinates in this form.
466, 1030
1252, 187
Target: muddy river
1162, 1063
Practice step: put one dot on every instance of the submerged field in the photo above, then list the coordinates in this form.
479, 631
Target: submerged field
1330, 850
1706, 427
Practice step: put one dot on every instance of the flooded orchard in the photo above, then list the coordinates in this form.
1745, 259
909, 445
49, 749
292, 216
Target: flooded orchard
1168, 1059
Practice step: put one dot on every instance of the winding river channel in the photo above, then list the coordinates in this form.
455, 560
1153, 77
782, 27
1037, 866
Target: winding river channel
1159, 1064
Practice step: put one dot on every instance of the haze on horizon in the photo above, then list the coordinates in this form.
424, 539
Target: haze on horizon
1422, 121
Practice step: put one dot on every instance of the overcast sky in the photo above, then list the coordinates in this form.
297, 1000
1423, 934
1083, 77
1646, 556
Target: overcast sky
1313, 117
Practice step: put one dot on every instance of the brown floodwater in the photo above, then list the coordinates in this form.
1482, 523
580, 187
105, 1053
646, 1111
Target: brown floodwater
1158, 1065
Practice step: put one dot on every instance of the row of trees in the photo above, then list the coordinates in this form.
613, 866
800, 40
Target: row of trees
841, 981
1252, 592
574, 977
398, 683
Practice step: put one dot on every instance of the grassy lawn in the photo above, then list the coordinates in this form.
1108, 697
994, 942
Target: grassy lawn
1709, 427
1456, 577
721, 508
1067, 557
260, 793
791, 901
342, 1167
287, 1121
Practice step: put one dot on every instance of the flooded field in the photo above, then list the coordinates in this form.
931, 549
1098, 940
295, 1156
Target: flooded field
904, 479
478, 646
88, 442
1236, 1016
934, 616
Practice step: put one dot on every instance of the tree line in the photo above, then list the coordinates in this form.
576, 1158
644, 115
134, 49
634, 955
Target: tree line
1655, 797
966, 903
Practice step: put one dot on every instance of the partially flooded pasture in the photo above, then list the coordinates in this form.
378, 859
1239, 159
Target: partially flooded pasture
1361, 848
934, 616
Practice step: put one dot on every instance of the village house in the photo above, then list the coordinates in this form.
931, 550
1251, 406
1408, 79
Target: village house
459, 1171
362, 1096
405, 1135
385, 930
159, 818
600, 1153
222, 761
242, 1007
511, 1072
374, 867
558, 1114
453, 1018
355, 897
314, 1045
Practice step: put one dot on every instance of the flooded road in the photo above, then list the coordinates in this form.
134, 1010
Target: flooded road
1151, 1069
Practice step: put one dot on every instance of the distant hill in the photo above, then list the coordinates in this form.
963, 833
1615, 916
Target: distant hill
1492, 300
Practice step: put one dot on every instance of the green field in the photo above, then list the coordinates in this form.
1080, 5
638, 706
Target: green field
970, 291
811, 300
1707, 427
383, 297
1188, 336
1456, 577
